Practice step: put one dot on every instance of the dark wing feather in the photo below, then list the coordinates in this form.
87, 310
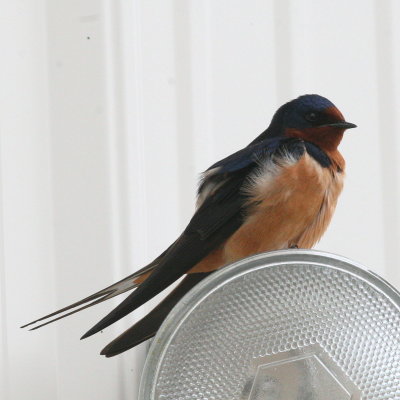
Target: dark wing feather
218, 218
148, 326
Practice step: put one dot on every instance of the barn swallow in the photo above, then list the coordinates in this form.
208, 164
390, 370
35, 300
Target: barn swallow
278, 192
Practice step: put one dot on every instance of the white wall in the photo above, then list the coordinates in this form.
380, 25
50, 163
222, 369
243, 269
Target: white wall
110, 109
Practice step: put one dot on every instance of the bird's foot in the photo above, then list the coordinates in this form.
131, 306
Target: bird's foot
294, 246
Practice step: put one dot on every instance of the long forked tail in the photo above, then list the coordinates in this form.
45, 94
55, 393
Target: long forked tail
128, 283
148, 326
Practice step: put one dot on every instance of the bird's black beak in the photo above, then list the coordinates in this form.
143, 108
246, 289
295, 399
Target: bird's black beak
342, 125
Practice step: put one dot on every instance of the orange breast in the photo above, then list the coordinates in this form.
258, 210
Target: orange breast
295, 206
295, 209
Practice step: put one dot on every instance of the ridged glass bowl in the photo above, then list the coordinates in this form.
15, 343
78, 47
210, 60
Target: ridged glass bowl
286, 325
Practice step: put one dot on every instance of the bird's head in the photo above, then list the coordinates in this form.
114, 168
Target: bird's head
312, 118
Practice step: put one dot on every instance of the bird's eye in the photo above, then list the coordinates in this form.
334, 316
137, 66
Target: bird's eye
311, 116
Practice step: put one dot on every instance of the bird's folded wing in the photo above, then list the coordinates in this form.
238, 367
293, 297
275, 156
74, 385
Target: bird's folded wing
219, 216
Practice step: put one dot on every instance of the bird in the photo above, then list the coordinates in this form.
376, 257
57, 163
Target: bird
278, 192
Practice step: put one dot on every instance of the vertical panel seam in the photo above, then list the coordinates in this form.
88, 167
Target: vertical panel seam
184, 106
283, 50
3, 302
386, 124
116, 155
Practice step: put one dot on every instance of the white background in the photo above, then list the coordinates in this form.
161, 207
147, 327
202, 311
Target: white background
109, 111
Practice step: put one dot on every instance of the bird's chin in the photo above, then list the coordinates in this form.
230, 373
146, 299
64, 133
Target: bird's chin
326, 137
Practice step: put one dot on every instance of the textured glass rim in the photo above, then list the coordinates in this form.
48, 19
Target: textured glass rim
259, 261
